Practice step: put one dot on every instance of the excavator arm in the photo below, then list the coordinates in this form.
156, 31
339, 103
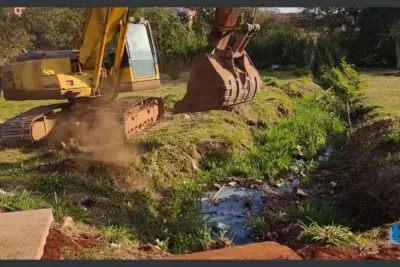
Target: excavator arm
224, 18
101, 26
226, 76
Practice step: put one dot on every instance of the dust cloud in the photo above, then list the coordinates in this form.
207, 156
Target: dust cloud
99, 132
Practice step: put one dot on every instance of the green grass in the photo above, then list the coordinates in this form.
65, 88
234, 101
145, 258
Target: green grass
320, 212
9, 109
259, 227
117, 234
274, 150
335, 235
24, 201
174, 159
383, 93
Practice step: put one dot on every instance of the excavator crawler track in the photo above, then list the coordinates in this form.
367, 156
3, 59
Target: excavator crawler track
126, 118
19, 131
116, 121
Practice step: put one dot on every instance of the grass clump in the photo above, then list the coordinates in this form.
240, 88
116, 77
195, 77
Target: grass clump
259, 227
62, 207
336, 235
117, 234
321, 212
23, 201
56, 183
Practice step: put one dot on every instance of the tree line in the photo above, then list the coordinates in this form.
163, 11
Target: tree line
366, 37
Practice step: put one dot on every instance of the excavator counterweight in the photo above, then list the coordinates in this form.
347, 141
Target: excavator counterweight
226, 76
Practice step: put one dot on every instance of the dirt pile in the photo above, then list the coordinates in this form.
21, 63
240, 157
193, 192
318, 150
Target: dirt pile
57, 243
336, 253
266, 251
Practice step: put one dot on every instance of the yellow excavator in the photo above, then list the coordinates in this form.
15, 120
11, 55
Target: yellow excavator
117, 54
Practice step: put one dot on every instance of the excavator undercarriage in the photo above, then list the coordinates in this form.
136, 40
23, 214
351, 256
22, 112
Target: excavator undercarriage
86, 121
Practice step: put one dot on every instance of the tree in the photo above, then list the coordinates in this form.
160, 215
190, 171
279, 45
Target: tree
54, 28
363, 32
394, 32
205, 17
176, 43
13, 36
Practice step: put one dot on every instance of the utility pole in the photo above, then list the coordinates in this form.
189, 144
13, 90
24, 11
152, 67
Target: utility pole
398, 53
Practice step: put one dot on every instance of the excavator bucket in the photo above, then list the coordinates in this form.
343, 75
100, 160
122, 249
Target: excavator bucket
226, 76
212, 85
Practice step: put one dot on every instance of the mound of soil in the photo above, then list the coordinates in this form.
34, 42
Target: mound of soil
328, 253
336, 253
57, 242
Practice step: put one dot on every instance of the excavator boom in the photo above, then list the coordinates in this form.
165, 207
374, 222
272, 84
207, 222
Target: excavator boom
101, 26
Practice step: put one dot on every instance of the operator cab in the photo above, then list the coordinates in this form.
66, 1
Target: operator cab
139, 65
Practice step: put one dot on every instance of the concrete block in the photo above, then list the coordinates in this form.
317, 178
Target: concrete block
23, 234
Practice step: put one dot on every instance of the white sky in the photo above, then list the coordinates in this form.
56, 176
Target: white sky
290, 9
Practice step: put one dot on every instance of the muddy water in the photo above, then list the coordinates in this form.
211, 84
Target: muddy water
228, 210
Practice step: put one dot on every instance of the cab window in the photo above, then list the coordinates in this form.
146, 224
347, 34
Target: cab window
140, 52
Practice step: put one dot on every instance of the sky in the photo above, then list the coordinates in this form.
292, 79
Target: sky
289, 9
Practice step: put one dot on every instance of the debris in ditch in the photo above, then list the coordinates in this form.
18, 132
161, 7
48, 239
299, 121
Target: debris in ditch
300, 150
301, 193
286, 189
232, 183
295, 183
280, 183
145, 247
113, 245
333, 183
2, 192
232, 210
223, 227
88, 203
272, 236
217, 186
216, 194
248, 203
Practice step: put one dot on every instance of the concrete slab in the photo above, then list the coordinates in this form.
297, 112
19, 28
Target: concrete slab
23, 234
258, 251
